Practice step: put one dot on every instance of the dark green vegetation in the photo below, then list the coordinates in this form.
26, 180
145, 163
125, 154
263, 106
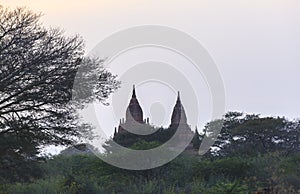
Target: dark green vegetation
88, 174
255, 154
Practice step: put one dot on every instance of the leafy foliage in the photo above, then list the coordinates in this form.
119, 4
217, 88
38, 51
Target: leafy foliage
185, 174
37, 71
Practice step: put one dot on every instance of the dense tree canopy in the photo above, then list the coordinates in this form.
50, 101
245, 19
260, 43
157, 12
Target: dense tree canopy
248, 134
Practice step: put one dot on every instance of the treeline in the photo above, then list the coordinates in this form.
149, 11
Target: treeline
88, 174
251, 154
250, 134
240, 134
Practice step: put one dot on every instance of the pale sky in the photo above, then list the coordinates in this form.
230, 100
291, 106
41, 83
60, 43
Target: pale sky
255, 43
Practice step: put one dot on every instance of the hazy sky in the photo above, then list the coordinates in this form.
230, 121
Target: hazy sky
255, 43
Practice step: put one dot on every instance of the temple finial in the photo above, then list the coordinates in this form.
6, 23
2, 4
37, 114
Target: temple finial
178, 96
133, 91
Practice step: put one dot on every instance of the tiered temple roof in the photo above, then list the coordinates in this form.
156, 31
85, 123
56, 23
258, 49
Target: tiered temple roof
134, 111
178, 115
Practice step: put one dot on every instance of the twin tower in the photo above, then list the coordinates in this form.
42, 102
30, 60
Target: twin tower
134, 114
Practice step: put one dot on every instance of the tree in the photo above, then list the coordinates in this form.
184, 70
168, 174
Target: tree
290, 138
251, 134
37, 71
260, 135
224, 138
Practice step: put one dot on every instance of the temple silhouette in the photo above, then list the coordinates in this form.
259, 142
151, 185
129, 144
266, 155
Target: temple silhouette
134, 127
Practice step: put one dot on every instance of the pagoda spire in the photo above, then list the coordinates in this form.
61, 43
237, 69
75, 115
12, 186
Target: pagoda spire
178, 96
196, 141
115, 133
178, 115
133, 92
134, 111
